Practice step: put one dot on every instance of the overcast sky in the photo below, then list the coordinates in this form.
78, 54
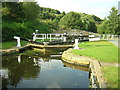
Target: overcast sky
99, 8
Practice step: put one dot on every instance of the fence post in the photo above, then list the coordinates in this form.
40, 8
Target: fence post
45, 36
50, 37
76, 44
34, 36
42, 36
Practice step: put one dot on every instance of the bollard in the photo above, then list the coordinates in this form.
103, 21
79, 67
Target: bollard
76, 44
18, 41
64, 39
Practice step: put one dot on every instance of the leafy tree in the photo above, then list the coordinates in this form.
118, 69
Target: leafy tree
70, 21
63, 13
21, 19
31, 10
12, 11
73, 20
113, 20
110, 25
54, 24
96, 18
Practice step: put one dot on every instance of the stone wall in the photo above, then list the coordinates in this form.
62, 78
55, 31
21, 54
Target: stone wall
75, 59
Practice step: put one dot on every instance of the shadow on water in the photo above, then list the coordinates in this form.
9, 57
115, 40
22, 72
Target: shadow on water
38, 69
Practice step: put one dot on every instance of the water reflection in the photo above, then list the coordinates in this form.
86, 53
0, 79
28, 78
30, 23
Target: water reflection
19, 67
33, 69
78, 67
19, 58
4, 73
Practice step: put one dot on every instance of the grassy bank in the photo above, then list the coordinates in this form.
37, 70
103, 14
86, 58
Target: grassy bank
11, 44
101, 50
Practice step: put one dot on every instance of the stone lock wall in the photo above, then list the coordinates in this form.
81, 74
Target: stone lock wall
96, 77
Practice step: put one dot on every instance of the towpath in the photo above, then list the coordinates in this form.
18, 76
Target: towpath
115, 42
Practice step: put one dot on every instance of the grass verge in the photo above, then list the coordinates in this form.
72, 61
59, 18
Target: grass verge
111, 76
11, 44
100, 50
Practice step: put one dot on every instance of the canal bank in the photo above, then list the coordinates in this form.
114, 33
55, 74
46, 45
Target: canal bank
96, 77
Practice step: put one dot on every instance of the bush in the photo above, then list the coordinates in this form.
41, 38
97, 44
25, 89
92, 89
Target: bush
23, 30
36, 25
11, 29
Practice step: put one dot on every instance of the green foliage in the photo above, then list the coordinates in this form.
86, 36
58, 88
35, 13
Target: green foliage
48, 13
110, 25
96, 18
53, 24
11, 29
12, 11
73, 20
49, 10
44, 28
51, 17
100, 50
69, 21
31, 10
36, 25
21, 19
23, 30
104, 27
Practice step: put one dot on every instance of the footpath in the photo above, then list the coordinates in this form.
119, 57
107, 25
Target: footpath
115, 42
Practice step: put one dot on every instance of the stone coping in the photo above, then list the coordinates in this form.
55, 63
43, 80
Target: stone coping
75, 59
96, 77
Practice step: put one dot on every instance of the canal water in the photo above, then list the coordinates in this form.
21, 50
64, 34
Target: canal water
36, 69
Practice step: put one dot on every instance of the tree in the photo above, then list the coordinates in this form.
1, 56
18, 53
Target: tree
113, 20
110, 25
96, 18
104, 27
12, 11
73, 20
63, 13
31, 10
21, 19
70, 21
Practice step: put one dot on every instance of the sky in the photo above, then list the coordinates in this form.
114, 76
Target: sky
99, 8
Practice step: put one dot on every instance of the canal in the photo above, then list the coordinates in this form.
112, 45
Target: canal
42, 69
